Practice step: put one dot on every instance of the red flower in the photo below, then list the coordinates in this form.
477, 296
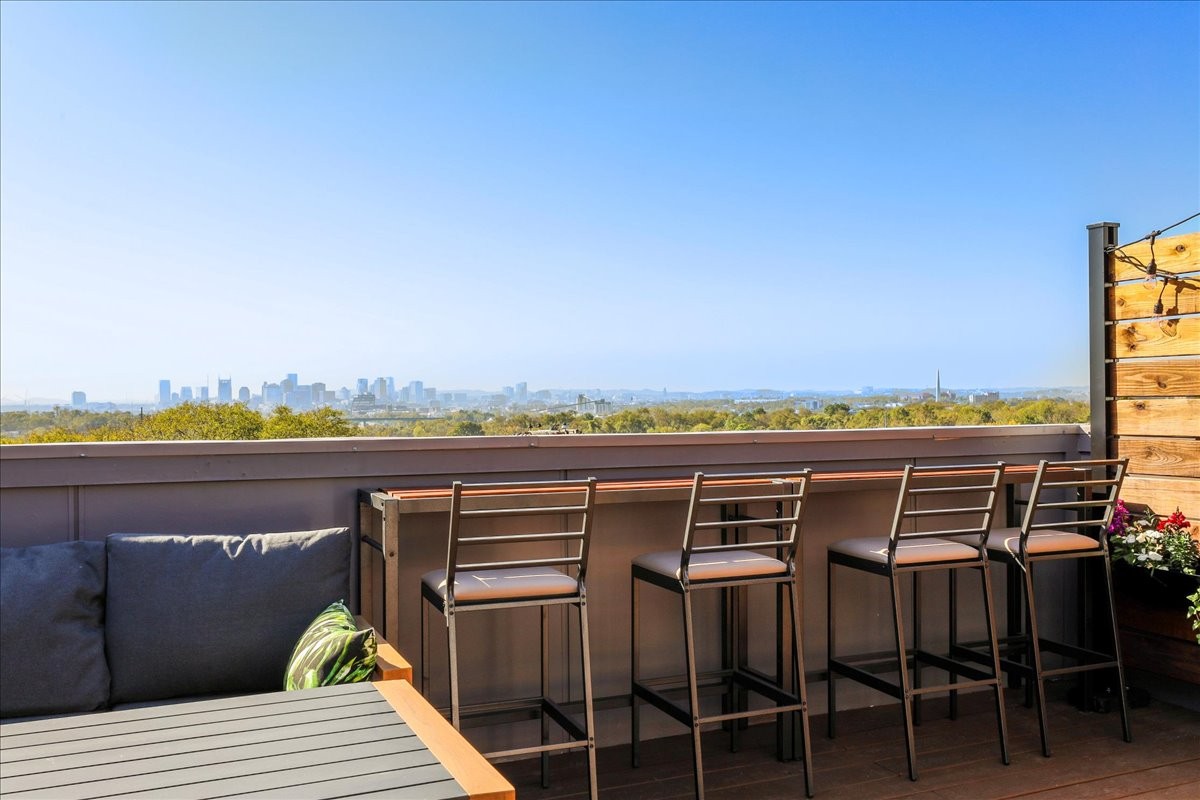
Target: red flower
1177, 519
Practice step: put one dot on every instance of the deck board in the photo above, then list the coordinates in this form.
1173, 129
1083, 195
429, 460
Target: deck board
957, 759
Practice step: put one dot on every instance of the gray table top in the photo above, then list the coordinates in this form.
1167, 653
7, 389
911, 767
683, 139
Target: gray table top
337, 741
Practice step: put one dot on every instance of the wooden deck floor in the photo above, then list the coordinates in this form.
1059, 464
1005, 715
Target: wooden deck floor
957, 760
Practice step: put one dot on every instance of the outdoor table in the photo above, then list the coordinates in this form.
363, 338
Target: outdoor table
337, 741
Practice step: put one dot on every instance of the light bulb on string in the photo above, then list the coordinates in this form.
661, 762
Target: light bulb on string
1152, 267
1158, 304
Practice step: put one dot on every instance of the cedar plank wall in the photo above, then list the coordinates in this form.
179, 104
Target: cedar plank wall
1152, 408
1153, 376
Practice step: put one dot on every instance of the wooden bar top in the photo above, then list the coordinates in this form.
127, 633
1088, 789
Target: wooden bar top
437, 498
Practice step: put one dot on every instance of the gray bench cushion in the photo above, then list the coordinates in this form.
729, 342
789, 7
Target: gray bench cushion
52, 629
215, 614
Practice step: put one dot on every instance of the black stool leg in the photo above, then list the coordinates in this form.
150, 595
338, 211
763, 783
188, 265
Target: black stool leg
906, 691
634, 703
1001, 720
830, 681
588, 710
424, 650
798, 681
1126, 731
917, 664
693, 691
1035, 649
452, 646
952, 574
545, 676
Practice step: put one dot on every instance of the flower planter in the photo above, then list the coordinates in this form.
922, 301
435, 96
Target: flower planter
1156, 635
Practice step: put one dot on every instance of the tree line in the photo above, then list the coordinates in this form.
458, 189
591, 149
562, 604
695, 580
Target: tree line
197, 421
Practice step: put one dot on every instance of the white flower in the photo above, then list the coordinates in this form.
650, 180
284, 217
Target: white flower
1154, 556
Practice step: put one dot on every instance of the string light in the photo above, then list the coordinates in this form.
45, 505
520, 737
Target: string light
1158, 305
1151, 271
1152, 267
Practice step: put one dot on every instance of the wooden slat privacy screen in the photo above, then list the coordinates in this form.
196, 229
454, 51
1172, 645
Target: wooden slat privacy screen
1152, 376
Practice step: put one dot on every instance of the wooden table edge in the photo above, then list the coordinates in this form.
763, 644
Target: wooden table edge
474, 773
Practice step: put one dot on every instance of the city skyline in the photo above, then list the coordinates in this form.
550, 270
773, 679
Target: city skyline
271, 392
685, 195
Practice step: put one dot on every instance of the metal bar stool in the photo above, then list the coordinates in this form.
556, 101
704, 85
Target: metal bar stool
466, 586
729, 566
931, 495
1092, 501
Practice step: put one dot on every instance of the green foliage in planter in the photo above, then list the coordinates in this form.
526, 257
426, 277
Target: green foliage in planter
1194, 612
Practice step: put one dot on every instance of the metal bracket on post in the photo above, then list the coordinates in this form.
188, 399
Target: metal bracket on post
1101, 237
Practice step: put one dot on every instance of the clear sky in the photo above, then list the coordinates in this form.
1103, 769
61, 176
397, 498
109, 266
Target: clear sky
612, 195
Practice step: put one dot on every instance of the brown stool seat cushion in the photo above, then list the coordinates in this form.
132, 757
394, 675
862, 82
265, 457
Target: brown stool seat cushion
481, 585
1008, 540
918, 551
724, 565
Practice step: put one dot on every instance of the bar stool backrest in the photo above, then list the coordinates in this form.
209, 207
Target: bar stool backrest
574, 499
1080, 479
931, 499
785, 493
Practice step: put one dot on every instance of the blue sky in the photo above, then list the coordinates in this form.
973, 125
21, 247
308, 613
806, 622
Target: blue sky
640, 195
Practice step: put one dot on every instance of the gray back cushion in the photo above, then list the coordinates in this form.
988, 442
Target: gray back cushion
52, 629
192, 615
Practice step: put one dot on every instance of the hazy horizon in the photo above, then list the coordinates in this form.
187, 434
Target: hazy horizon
685, 195
152, 399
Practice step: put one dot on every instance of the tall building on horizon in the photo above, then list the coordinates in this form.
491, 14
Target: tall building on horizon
164, 394
78, 399
224, 390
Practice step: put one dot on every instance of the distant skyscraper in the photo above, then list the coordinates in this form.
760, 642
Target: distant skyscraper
522, 392
318, 395
203, 394
294, 378
299, 398
185, 394
391, 387
272, 394
244, 394
287, 385
381, 391
164, 394
224, 390
416, 392
937, 392
78, 399
363, 385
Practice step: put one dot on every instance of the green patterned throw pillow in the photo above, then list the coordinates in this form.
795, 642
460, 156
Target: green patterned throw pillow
331, 651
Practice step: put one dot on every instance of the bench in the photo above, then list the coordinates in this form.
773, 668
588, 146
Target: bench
139, 620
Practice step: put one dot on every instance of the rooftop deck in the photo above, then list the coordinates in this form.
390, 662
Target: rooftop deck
58, 492
958, 759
